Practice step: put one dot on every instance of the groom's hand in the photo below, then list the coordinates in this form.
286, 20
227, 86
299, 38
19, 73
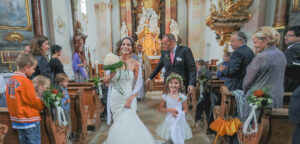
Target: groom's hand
190, 89
147, 82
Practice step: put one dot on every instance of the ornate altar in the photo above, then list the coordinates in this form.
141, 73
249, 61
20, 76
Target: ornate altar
148, 32
229, 17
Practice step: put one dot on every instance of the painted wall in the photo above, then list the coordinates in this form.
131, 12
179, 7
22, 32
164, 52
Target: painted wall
182, 20
116, 24
61, 13
196, 27
263, 14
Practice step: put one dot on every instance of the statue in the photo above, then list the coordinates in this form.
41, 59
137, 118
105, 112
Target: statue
142, 21
124, 31
174, 28
153, 23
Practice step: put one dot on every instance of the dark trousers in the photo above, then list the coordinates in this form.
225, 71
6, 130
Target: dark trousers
296, 135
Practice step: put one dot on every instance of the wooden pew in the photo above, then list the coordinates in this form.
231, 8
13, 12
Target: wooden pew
3, 132
85, 109
91, 101
273, 127
286, 99
51, 132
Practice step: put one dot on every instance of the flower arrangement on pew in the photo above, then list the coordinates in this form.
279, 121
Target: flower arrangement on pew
52, 99
260, 98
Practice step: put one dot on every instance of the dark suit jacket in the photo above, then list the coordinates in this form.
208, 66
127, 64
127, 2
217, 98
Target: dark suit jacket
183, 64
294, 106
292, 78
237, 66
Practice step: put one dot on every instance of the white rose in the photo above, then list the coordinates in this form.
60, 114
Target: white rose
111, 59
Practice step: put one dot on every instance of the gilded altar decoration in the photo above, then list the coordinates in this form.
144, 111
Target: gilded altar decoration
14, 36
230, 16
148, 19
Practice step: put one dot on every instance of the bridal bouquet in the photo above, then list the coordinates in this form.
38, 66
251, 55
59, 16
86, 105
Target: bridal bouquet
112, 62
260, 98
52, 97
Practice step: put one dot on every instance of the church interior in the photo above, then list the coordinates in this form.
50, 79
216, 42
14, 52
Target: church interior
204, 26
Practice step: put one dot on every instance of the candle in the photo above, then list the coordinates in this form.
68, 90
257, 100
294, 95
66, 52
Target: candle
96, 63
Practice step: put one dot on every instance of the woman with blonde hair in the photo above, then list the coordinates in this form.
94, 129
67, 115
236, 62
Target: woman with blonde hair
267, 68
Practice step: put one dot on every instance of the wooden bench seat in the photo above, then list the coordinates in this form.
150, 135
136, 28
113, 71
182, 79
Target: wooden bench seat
51, 132
273, 127
85, 109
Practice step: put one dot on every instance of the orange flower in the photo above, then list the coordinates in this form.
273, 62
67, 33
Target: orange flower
54, 91
258, 93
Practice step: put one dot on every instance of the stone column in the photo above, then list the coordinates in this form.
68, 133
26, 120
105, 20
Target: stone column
196, 27
37, 17
103, 28
128, 17
60, 13
280, 14
167, 16
174, 10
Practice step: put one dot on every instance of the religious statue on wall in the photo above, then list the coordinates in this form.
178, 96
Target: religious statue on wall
124, 30
174, 28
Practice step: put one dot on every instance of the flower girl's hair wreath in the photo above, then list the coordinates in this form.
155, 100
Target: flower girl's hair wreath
174, 76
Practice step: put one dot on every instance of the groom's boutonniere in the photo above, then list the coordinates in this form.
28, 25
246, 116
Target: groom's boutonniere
167, 56
178, 59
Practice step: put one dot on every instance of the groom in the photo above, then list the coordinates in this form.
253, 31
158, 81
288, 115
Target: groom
178, 59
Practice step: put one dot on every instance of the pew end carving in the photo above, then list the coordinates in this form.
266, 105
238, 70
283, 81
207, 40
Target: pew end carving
3, 132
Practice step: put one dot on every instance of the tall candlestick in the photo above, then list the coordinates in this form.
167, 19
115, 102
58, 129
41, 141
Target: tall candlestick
96, 63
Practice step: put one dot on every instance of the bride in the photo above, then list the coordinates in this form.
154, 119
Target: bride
127, 128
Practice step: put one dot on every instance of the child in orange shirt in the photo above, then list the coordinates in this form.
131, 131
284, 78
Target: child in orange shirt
23, 105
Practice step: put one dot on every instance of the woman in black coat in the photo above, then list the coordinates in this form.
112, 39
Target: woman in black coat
55, 64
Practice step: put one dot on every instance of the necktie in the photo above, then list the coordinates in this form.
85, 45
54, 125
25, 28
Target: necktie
172, 56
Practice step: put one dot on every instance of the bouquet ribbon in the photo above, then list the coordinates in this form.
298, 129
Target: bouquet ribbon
60, 112
247, 122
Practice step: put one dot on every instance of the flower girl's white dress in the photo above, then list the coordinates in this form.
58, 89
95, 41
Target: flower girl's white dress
127, 128
180, 128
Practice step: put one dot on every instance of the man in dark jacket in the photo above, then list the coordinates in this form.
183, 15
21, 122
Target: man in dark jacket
178, 59
294, 114
292, 54
238, 62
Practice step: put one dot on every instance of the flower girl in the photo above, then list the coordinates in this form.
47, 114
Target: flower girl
175, 126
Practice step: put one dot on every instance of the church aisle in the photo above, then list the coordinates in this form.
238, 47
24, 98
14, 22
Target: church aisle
147, 111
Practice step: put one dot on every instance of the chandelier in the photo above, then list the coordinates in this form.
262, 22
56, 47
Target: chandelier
228, 18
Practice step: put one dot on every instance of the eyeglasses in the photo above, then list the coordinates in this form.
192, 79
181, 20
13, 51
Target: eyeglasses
289, 35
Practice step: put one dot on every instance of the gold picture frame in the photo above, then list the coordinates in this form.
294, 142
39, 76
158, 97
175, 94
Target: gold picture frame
9, 56
296, 6
28, 27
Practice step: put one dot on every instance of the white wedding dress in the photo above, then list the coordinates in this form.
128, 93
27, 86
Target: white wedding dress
127, 128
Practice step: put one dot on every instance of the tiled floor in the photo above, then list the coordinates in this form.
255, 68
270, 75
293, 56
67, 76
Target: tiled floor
147, 111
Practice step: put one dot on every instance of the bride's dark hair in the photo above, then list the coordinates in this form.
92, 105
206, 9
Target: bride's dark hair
131, 42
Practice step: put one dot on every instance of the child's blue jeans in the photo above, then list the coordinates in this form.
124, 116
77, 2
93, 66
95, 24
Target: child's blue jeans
30, 135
